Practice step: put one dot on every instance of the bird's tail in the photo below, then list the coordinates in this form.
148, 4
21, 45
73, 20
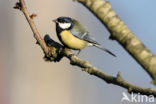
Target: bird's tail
104, 49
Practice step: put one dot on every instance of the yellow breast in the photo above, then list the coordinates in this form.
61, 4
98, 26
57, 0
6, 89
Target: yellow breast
72, 41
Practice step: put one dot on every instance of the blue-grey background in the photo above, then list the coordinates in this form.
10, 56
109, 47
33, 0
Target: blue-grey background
28, 79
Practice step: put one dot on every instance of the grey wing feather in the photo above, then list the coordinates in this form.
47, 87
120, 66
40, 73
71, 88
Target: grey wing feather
80, 32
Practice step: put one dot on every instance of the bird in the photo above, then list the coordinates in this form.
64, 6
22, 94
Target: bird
73, 35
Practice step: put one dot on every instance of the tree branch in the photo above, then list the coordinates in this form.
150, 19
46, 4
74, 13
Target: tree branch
120, 32
55, 51
21, 5
87, 67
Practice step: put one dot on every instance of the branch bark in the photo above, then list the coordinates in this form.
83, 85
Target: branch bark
54, 52
87, 67
120, 32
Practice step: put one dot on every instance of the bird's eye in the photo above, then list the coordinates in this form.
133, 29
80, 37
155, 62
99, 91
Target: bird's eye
61, 20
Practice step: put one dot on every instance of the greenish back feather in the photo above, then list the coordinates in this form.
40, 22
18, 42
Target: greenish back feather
79, 30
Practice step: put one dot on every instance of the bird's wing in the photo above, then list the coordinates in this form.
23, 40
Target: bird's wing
80, 32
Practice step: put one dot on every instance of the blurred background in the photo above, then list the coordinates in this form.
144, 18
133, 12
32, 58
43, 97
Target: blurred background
25, 78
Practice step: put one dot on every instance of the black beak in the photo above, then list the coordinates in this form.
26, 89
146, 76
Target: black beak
55, 20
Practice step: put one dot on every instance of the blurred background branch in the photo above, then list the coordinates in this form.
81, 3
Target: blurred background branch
120, 32
55, 51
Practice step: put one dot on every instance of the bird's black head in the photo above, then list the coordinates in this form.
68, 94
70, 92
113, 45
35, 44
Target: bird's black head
64, 23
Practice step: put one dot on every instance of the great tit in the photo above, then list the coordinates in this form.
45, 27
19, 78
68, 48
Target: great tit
74, 36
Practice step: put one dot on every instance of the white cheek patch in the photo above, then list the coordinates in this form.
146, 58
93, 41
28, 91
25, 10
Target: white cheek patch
64, 25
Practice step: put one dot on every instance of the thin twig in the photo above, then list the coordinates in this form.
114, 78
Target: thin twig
33, 26
54, 52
